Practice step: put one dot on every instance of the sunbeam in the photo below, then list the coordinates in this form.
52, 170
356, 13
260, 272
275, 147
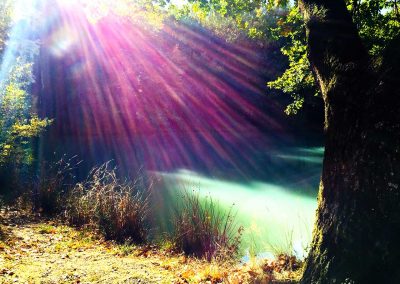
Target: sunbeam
141, 90
20, 46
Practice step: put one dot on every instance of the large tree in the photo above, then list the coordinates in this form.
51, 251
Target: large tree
356, 236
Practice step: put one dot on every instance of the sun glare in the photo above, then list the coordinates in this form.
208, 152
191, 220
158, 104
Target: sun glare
98, 9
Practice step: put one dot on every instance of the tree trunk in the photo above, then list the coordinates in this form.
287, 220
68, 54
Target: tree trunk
356, 238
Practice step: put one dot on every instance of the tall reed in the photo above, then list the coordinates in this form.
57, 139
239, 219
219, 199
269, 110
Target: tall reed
203, 229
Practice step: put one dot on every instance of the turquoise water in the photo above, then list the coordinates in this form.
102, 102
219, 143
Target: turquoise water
276, 217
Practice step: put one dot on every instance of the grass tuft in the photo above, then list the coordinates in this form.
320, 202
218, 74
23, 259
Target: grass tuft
203, 230
118, 209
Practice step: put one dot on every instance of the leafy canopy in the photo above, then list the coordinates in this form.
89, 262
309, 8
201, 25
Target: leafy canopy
279, 21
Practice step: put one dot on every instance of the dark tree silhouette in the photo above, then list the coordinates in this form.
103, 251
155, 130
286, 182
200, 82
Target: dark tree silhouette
358, 219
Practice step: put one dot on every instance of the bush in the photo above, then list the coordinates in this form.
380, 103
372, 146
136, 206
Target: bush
202, 229
49, 193
118, 209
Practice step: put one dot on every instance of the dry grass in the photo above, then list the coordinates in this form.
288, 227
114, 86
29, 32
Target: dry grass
118, 209
39, 251
203, 230
50, 190
34, 250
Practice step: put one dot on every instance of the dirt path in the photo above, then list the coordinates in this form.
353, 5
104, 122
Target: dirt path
43, 252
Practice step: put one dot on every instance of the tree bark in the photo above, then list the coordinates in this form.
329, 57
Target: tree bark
356, 238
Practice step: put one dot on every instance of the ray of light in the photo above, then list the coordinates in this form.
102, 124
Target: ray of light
177, 97
19, 46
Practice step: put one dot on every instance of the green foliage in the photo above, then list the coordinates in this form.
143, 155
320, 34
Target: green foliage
18, 124
263, 23
231, 20
378, 22
298, 76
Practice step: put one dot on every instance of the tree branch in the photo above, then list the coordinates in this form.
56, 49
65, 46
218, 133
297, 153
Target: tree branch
334, 45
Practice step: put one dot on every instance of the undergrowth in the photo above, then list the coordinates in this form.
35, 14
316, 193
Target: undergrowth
204, 230
55, 180
116, 208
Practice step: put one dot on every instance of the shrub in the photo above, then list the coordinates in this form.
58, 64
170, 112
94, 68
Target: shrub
118, 209
49, 193
202, 229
